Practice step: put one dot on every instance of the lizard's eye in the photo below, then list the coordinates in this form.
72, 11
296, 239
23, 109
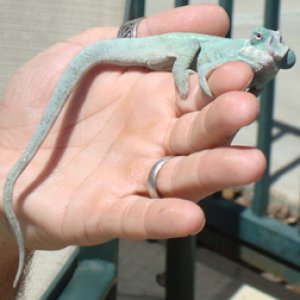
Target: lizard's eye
258, 36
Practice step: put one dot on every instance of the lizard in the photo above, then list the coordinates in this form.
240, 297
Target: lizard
181, 52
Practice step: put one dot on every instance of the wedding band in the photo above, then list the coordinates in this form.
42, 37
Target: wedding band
151, 182
129, 29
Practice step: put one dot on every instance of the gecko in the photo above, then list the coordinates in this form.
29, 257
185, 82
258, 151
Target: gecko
182, 52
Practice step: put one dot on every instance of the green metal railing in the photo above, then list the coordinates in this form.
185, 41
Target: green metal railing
243, 233
249, 234
90, 273
261, 198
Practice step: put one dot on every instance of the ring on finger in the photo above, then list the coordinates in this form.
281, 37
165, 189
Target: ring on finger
129, 29
152, 177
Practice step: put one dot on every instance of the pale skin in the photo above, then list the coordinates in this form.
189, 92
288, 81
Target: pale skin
87, 184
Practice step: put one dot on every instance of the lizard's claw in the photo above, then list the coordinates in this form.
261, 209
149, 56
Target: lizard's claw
203, 72
204, 86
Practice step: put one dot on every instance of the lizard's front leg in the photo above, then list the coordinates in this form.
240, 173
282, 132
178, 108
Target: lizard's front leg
181, 67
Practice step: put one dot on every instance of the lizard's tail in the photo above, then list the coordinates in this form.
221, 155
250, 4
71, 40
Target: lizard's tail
82, 62
14, 223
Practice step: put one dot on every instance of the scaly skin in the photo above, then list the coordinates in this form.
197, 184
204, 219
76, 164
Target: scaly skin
180, 52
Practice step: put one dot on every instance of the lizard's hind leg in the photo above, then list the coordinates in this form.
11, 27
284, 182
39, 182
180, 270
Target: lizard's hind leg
182, 66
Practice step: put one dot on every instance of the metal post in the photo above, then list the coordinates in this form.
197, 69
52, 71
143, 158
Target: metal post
134, 9
261, 195
180, 257
228, 6
181, 2
180, 269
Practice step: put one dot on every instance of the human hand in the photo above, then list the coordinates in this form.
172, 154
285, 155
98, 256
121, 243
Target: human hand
87, 184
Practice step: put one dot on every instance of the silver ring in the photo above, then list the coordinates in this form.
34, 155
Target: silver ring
151, 182
129, 29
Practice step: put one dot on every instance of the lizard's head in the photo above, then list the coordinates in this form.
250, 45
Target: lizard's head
264, 38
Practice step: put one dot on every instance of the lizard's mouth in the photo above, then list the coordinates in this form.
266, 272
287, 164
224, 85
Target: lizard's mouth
284, 56
288, 60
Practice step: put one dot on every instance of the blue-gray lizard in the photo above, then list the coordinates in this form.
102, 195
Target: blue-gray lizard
265, 52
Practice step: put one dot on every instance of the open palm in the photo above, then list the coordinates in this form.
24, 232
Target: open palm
87, 184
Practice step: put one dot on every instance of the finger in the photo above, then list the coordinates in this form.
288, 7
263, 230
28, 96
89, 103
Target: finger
136, 217
232, 76
207, 19
214, 125
140, 218
201, 174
